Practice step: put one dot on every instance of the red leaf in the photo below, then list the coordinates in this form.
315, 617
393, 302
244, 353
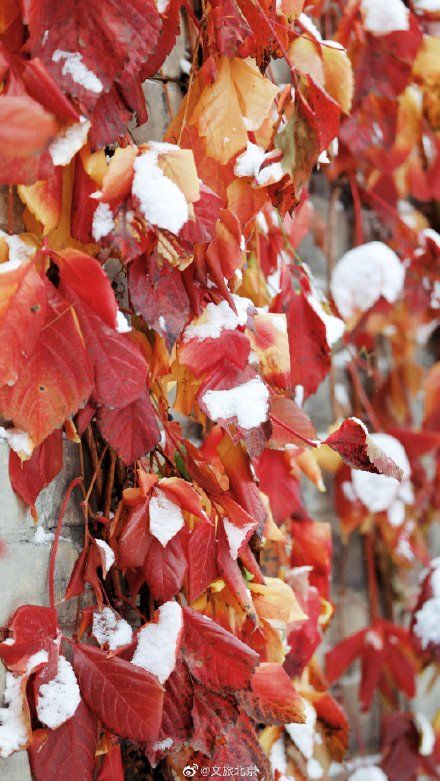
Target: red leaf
68, 752
165, 568
231, 572
159, 296
206, 212
132, 430
307, 337
273, 698
202, 568
240, 746
112, 768
230, 26
212, 715
177, 705
126, 698
84, 275
214, 656
56, 379
120, 370
135, 538
290, 424
280, 482
22, 315
29, 477
355, 446
25, 127
100, 31
32, 628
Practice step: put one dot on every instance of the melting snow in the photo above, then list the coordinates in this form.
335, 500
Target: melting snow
103, 222
384, 16
277, 756
162, 745
13, 732
218, 317
378, 492
42, 537
249, 403
158, 643
161, 201
426, 733
368, 773
363, 275
166, 518
68, 142
249, 164
109, 629
59, 699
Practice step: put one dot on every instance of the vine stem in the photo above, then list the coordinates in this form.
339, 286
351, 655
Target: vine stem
371, 576
358, 227
53, 553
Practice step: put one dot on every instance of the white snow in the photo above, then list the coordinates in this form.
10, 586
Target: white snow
13, 731
426, 734
378, 492
363, 275
334, 326
368, 773
303, 735
69, 141
58, 699
18, 440
41, 536
166, 518
74, 67
162, 745
249, 403
310, 26
384, 16
277, 756
217, 318
374, 639
162, 5
109, 556
431, 6
435, 577
235, 535
161, 201
19, 252
314, 769
111, 630
103, 222
250, 161
122, 324
158, 643
427, 622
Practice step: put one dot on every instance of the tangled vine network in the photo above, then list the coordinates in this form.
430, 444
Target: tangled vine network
158, 320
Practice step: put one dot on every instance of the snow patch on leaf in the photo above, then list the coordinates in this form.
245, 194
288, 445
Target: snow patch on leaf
427, 622
59, 699
363, 275
109, 556
368, 773
303, 735
161, 201
248, 403
103, 222
381, 18
74, 67
13, 732
378, 492
158, 643
19, 252
68, 142
166, 518
110, 630
236, 536
217, 318
18, 440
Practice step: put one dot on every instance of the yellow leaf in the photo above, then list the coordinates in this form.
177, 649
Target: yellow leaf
338, 74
